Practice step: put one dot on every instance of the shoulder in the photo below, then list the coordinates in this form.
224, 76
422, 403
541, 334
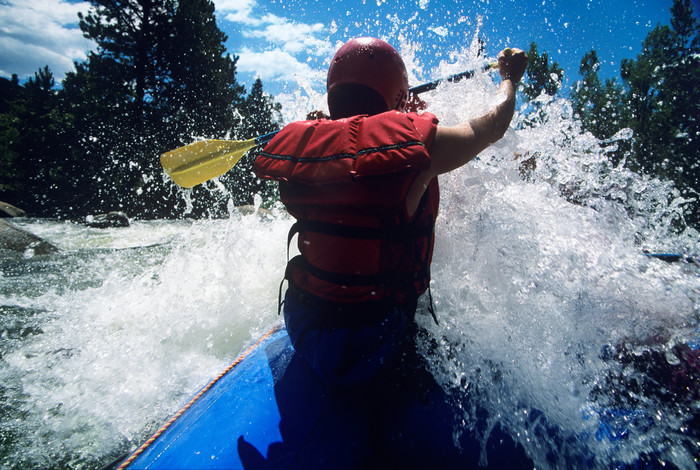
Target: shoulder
391, 126
398, 126
426, 125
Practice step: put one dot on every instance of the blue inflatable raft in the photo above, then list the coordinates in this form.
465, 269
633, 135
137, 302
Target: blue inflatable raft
269, 409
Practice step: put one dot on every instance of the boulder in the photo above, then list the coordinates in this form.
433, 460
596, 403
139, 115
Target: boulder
108, 220
18, 240
251, 209
8, 210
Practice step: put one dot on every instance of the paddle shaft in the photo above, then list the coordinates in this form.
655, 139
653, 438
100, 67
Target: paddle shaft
203, 160
416, 90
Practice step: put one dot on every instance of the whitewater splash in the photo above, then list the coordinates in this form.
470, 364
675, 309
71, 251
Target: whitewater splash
550, 307
544, 297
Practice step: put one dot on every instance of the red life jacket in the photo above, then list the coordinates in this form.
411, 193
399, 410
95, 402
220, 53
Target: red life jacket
346, 181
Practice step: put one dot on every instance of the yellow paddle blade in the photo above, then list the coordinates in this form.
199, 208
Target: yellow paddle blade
203, 160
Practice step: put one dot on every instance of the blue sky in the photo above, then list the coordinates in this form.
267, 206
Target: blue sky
288, 43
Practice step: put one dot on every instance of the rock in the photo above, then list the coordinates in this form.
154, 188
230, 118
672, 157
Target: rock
18, 240
108, 220
251, 209
8, 210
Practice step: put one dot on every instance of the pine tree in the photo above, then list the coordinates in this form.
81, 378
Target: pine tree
160, 77
112, 96
201, 95
600, 106
260, 115
128, 32
10, 184
34, 147
664, 99
541, 76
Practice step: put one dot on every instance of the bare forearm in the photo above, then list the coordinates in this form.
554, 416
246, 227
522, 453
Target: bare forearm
456, 146
492, 126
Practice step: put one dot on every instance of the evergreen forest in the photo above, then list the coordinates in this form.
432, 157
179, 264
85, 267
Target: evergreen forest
161, 75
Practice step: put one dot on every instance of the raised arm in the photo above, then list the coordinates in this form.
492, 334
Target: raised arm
458, 145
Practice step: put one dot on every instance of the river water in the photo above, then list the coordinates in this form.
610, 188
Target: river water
552, 319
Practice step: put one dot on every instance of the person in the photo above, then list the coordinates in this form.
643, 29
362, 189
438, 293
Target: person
363, 188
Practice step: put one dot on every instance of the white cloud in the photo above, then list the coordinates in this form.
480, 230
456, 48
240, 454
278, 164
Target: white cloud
276, 48
226, 5
38, 33
237, 11
291, 36
275, 64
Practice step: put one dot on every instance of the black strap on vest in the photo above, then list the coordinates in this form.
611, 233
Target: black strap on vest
344, 155
355, 279
393, 233
350, 231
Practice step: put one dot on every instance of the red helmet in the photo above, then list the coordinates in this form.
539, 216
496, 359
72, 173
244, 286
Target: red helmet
373, 63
